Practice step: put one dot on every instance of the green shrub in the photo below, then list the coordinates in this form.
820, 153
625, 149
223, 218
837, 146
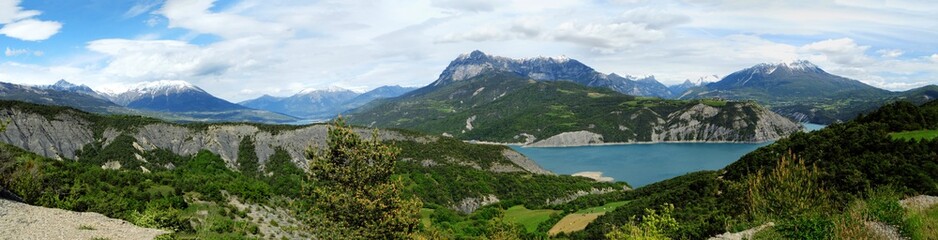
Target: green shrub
807, 227
652, 226
791, 189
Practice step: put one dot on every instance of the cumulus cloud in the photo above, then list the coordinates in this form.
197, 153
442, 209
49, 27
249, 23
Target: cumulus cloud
159, 59
606, 38
280, 48
31, 30
842, 51
20, 24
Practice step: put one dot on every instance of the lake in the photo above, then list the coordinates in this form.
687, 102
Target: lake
642, 164
639, 164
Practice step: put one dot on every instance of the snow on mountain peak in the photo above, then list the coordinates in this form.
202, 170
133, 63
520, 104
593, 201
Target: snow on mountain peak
64, 84
801, 65
164, 86
330, 89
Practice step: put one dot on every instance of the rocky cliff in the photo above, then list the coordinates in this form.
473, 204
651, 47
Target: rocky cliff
699, 123
61, 134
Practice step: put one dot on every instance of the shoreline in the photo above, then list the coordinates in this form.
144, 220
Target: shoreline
612, 143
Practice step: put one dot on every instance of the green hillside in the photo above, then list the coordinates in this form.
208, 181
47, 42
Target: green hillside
174, 192
811, 185
503, 107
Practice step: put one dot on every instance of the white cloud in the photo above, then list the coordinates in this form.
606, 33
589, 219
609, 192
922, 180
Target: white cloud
10, 11
842, 51
606, 38
195, 15
466, 5
283, 46
654, 18
19, 23
15, 52
31, 30
890, 53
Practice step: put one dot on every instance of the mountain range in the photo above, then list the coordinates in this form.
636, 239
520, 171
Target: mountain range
805, 92
557, 102
170, 100
476, 63
322, 104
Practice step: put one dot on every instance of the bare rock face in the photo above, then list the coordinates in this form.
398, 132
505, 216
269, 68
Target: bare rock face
470, 205
64, 134
692, 125
524, 162
578, 138
58, 137
700, 123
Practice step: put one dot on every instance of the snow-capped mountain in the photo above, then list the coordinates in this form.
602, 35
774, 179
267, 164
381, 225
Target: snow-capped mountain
62, 93
679, 89
321, 103
476, 63
66, 86
797, 78
171, 96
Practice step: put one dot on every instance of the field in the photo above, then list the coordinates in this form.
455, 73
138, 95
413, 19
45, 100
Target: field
527, 217
916, 135
573, 223
577, 221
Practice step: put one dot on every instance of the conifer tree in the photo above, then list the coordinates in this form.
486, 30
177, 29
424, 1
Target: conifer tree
353, 187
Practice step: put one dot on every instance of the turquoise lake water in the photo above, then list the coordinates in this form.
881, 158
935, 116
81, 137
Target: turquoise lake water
642, 164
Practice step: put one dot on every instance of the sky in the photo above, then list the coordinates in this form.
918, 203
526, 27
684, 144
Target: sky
242, 49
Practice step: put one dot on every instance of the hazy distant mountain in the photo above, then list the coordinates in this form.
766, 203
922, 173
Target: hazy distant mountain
66, 86
679, 89
377, 93
183, 101
60, 94
322, 104
473, 64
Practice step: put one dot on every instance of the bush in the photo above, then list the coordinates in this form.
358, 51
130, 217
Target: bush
791, 189
652, 226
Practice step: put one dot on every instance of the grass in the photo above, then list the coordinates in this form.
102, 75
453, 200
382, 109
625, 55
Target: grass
85, 227
604, 208
527, 217
915, 135
425, 217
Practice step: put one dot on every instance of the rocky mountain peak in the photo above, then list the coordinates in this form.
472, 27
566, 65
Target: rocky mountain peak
476, 63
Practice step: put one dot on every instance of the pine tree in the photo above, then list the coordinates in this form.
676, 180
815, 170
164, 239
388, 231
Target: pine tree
352, 186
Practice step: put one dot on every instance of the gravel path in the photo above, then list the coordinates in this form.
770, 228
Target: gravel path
22, 221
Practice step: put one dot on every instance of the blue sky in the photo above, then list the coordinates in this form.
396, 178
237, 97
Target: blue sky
241, 49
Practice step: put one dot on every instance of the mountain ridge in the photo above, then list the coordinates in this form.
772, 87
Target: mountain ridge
322, 103
505, 107
548, 69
